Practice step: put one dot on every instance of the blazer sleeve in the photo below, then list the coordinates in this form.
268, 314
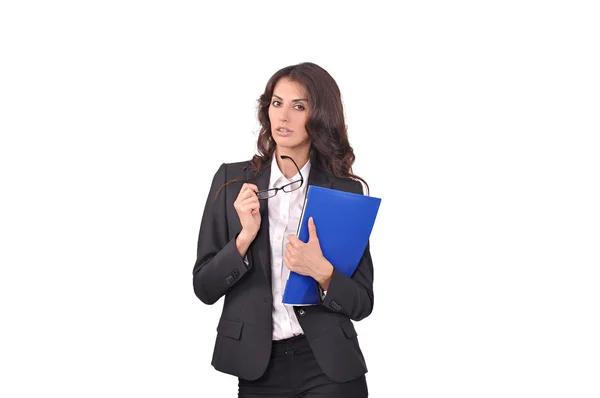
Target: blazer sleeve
352, 296
218, 266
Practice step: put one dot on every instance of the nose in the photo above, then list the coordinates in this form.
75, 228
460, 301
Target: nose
284, 114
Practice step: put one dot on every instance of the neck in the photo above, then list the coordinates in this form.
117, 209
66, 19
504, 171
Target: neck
285, 165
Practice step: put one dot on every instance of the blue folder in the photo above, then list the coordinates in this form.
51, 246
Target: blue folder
344, 222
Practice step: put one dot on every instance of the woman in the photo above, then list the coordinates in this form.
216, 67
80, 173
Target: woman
247, 247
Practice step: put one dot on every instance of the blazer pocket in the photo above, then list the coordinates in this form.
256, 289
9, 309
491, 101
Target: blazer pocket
348, 329
229, 328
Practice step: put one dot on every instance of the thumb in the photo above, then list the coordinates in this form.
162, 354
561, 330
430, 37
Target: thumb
312, 230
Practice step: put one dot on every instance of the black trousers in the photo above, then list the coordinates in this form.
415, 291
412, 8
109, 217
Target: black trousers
293, 371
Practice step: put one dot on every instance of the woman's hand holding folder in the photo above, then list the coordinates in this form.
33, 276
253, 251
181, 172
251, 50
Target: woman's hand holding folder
307, 258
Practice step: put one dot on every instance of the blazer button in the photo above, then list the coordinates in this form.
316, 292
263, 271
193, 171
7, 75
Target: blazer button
301, 312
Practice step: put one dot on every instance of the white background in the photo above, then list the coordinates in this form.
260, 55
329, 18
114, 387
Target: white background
476, 122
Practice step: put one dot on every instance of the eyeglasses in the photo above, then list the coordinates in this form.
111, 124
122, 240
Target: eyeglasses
292, 186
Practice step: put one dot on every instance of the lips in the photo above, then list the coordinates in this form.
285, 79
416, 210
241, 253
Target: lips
284, 132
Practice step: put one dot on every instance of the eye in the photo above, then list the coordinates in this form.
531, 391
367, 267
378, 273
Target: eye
299, 107
276, 103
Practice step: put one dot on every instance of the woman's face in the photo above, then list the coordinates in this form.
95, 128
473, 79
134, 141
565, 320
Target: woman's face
288, 114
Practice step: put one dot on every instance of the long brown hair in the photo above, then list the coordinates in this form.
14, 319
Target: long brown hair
330, 149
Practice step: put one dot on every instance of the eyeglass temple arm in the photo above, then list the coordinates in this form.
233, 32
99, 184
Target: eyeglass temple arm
298, 168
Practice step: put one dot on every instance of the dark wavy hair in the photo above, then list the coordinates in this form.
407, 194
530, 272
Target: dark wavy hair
330, 149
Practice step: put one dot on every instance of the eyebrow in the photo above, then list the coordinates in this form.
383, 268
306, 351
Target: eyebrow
294, 100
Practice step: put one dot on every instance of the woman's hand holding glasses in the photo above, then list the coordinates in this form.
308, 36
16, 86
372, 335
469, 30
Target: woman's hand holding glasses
247, 207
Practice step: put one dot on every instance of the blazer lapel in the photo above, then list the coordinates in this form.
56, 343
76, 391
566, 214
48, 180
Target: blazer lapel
260, 249
318, 177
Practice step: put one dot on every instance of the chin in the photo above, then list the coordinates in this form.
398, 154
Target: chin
285, 140
285, 143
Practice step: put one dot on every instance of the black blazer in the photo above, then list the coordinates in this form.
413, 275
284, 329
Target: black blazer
244, 332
